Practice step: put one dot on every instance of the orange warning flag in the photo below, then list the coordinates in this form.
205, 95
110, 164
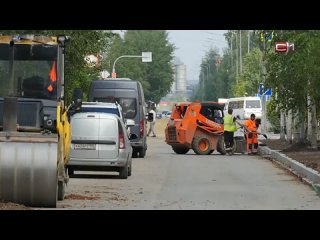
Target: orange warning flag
53, 73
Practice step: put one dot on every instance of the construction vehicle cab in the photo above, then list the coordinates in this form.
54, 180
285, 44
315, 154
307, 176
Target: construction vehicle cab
196, 126
34, 127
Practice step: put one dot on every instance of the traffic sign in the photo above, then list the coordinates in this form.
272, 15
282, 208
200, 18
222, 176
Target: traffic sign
113, 75
146, 56
267, 36
267, 96
268, 92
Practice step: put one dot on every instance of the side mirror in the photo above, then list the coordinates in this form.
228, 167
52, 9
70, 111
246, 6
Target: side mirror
130, 123
76, 103
77, 99
77, 94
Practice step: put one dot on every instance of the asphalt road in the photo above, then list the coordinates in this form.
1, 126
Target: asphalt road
165, 180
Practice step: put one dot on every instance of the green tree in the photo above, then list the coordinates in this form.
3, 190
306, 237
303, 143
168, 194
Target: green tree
295, 76
156, 77
250, 77
216, 77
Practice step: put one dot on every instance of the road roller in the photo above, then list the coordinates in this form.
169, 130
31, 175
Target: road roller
34, 126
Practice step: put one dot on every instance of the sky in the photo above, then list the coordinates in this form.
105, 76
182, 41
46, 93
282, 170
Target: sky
191, 47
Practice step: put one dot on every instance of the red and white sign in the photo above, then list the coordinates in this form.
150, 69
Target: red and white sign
284, 47
113, 75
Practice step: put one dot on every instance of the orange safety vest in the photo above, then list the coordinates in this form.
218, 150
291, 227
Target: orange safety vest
251, 125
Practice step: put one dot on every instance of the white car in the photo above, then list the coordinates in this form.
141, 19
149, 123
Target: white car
99, 142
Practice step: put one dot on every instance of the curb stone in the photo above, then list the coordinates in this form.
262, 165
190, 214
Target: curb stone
306, 174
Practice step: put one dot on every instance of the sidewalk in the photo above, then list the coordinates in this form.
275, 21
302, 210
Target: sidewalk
296, 158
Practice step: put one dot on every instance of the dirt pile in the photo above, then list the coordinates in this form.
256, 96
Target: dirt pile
300, 152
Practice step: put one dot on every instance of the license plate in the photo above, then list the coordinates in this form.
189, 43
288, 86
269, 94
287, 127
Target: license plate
85, 146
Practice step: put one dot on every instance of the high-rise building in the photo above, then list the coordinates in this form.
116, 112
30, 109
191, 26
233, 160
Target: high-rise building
179, 86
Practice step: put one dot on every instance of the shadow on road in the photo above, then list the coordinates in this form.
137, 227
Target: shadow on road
95, 176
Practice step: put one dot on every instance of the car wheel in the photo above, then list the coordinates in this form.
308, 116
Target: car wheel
130, 169
123, 174
70, 172
134, 153
61, 190
142, 152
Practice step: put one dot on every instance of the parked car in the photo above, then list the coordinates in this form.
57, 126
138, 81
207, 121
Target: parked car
163, 114
99, 142
129, 94
168, 114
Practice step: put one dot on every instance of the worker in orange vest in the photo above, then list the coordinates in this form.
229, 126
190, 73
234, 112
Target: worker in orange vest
251, 134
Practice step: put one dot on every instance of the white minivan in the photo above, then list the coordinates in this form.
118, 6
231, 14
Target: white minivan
245, 106
99, 142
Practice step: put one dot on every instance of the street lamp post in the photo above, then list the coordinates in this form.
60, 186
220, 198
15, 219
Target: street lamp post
146, 57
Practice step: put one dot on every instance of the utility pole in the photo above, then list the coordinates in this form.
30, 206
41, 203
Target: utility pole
231, 54
248, 41
237, 58
146, 57
240, 51
264, 75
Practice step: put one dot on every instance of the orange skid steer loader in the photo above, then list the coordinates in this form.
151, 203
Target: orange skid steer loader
197, 126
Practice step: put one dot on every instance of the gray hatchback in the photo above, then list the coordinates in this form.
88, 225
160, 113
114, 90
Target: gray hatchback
99, 142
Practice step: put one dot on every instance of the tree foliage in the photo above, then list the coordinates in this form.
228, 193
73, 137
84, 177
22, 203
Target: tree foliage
156, 77
296, 74
226, 78
251, 76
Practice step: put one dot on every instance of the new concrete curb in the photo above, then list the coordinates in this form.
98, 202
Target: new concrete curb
307, 174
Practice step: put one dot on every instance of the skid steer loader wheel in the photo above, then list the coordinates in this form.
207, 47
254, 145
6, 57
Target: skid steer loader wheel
201, 145
220, 146
180, 149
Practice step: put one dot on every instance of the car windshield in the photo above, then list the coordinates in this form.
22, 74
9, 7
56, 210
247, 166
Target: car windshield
101, 110
128, 105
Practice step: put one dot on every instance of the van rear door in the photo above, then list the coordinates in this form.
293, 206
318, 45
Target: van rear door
84, 133
108, 137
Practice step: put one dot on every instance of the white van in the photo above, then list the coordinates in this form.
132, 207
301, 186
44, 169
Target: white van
225, 102
245, 106
99, 142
